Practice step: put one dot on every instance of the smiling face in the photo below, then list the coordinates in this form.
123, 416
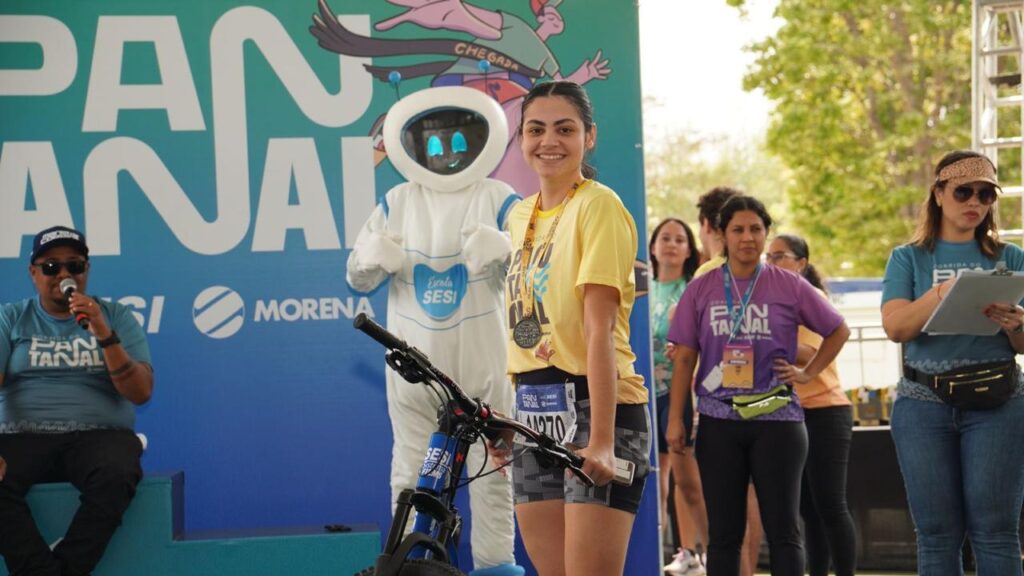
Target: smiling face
554, 139
961, 214
745, 236
671, 246
48, 287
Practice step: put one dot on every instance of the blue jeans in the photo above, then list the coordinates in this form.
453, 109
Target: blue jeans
964, 474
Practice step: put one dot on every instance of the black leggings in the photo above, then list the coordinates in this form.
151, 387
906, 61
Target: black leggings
828, 525
729, 454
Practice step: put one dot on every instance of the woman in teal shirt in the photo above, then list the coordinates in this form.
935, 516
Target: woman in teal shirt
963, 466
674, 260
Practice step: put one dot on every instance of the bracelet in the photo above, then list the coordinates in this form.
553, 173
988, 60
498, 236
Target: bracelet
109, 340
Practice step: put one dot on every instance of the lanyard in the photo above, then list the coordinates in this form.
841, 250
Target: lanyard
526, 288
737, 315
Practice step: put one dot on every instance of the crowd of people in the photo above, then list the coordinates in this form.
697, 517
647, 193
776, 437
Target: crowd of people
754, 428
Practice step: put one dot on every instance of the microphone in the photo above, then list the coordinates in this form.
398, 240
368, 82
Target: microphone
68, 286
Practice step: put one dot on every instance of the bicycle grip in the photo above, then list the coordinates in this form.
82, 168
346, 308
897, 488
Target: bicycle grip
379, 333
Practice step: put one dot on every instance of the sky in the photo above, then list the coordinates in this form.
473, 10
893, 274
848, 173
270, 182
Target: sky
692, 61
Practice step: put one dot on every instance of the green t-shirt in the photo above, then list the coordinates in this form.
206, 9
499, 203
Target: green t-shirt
664, 297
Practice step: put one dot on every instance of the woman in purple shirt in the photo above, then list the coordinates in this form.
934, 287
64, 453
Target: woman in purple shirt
741, 322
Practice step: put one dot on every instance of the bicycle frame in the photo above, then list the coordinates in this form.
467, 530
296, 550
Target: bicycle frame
461, 422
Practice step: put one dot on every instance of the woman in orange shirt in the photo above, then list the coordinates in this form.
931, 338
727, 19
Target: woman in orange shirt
828, 416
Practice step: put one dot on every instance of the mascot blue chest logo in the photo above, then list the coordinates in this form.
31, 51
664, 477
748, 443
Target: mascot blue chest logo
440, 293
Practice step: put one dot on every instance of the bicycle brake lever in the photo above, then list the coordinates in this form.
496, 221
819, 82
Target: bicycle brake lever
574, 462
580, 474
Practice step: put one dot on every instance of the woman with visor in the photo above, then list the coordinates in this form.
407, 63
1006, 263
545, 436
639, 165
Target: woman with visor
962, 461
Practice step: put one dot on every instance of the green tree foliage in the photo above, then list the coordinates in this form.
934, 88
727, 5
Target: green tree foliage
869, 95
685, 165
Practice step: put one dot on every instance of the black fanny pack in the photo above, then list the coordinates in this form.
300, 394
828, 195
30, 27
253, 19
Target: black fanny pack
978, 387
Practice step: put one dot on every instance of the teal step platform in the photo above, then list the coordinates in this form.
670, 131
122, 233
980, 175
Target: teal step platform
151, 539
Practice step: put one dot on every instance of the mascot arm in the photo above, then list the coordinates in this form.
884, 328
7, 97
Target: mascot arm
485, 247
376, 255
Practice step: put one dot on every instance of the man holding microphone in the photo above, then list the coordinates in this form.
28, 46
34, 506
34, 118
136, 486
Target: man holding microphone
72, 368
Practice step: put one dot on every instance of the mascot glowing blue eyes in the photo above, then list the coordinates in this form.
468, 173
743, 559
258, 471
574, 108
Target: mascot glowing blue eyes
440, 239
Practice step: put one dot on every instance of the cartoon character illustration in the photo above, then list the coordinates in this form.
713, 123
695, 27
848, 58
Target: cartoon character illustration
439, 238
505, 58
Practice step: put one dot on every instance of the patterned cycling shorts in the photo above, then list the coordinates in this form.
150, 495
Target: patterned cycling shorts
534, 483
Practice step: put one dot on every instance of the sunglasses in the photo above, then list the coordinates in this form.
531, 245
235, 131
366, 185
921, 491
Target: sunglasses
986, 194
52, 267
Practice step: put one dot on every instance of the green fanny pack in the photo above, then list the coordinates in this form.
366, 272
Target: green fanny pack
753, 405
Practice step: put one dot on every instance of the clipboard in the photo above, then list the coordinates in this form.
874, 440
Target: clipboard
961, 311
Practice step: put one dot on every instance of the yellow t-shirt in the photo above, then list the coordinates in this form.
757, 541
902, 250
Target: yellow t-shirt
708, 266
595, 243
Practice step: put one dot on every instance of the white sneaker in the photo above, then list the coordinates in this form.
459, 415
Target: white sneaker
685, 563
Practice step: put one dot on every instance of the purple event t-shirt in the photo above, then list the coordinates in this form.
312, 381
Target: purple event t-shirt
781, 302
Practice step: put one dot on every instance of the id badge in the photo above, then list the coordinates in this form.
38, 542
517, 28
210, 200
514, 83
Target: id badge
547, 408
738, 366
714, 378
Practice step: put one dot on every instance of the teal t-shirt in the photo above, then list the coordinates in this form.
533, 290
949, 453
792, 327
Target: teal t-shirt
55, 376
910, 273
664, 297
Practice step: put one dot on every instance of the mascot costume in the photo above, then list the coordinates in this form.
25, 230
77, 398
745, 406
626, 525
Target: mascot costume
440, 239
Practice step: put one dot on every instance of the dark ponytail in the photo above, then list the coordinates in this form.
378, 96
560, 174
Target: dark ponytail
798, 246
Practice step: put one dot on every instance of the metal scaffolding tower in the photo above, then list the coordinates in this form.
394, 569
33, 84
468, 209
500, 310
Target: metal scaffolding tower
997, 103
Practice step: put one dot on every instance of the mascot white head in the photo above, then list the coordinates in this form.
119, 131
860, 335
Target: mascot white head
445, 138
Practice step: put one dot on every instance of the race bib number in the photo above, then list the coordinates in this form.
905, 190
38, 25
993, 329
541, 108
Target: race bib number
549, 409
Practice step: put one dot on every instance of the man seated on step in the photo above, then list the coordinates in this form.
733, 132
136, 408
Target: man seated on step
72, 369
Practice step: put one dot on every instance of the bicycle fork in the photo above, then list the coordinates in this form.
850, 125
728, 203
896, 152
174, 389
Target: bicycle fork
437, 524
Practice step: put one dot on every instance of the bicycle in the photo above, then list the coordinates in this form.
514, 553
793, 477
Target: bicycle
429, 550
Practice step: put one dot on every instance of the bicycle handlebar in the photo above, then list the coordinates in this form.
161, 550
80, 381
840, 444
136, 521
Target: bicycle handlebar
423, 369
379, 333
545, 444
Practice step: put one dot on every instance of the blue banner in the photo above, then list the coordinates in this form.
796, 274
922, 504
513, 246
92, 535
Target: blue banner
221, 160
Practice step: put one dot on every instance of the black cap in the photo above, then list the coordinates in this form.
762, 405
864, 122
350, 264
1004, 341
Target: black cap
58, 236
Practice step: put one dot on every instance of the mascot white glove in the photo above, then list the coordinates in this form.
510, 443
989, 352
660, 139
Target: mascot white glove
484, 245
380, 251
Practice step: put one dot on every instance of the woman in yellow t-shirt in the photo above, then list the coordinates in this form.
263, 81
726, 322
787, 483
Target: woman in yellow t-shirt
828, 415
569, 292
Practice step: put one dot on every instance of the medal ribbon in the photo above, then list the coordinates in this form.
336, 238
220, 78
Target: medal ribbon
526, 288
737, 315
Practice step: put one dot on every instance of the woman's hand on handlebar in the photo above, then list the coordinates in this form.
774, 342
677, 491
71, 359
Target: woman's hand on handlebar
500, 449
598, 463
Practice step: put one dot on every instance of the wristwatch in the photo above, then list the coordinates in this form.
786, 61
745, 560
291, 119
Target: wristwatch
109, 340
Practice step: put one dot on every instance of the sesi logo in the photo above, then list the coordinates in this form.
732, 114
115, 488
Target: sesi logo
440, 292
147, 313
435, 464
